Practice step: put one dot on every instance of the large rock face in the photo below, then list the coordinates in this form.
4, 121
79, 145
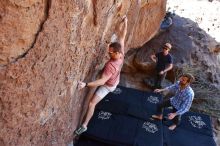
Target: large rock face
46, 47
20, 23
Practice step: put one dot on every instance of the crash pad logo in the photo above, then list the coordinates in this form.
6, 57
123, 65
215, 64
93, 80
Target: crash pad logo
117, 91
196, 121
104, 115
150, 127
153, 99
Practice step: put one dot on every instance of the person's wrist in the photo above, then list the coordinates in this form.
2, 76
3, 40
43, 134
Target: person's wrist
86, 85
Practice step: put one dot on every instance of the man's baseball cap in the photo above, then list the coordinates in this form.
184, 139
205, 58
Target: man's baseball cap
167, 45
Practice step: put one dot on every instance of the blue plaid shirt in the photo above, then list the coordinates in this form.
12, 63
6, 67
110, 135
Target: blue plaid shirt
182, 100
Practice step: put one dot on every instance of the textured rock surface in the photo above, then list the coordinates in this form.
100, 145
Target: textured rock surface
20, 23
46, 46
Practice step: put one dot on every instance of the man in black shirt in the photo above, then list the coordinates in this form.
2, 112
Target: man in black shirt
164, 63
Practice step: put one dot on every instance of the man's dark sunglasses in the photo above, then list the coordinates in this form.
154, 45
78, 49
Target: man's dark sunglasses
166, 48
113, 52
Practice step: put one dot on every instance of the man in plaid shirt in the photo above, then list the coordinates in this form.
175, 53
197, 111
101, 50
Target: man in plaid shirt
181, 101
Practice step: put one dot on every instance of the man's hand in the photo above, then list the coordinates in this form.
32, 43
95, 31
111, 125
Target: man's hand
125, 19
153, 58
162, 72
158, 90
171, 116
81, 85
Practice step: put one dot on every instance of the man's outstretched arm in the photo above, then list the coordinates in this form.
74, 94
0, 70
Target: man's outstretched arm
170, 66
122, 31
95, 83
